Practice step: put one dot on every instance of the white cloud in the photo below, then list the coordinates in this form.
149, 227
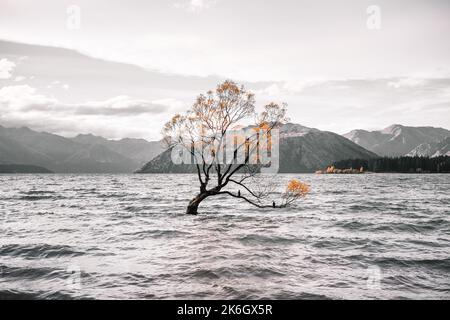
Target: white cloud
173, 104
56, 85
19, 78
272, 90
194, 5
299, 86
291, 87
6, 68
18, 97
407, 83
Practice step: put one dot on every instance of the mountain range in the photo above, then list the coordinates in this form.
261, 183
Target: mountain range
397, 140
302, 149
81, 154
432, 150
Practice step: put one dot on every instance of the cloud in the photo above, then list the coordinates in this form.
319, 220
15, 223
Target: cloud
120, 106
22, 96
374, 86
173, 104
340, 105
6, 68
56, 84
291, 87
194, 5
271, 90
19, 78
407, 82
117, 117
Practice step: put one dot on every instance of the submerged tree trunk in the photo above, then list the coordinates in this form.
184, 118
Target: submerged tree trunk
194, 203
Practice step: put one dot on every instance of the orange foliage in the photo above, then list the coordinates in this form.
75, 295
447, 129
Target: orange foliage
298, 188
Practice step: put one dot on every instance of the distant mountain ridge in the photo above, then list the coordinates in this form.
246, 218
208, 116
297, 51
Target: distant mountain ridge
19, 168
397, 140
432, 150
82, 154
302, 149
139, 150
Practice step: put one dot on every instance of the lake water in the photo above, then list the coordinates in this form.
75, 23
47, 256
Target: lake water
126, 236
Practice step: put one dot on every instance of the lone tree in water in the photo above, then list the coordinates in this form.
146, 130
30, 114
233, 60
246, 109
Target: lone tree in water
227, 161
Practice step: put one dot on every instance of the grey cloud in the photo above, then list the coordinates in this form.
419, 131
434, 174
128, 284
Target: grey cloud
342, 104
129, 107
133, 110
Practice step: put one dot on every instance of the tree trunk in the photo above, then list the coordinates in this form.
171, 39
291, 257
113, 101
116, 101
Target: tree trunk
193, 205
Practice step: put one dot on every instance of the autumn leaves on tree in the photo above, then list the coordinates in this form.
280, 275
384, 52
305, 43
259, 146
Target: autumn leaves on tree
231, 166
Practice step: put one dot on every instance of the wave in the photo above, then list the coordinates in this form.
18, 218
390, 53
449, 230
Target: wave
24, 295
439, 264
38, 251
157, 234
235, 272
264, 239
419, 227
41, 197
29, 273
32, 192
346, 243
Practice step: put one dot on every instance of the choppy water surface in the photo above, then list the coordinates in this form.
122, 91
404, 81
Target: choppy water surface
125, 236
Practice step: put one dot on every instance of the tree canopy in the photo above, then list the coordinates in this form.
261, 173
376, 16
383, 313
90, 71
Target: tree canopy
231, 144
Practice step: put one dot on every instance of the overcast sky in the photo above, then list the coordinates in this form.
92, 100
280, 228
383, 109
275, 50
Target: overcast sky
340, 65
